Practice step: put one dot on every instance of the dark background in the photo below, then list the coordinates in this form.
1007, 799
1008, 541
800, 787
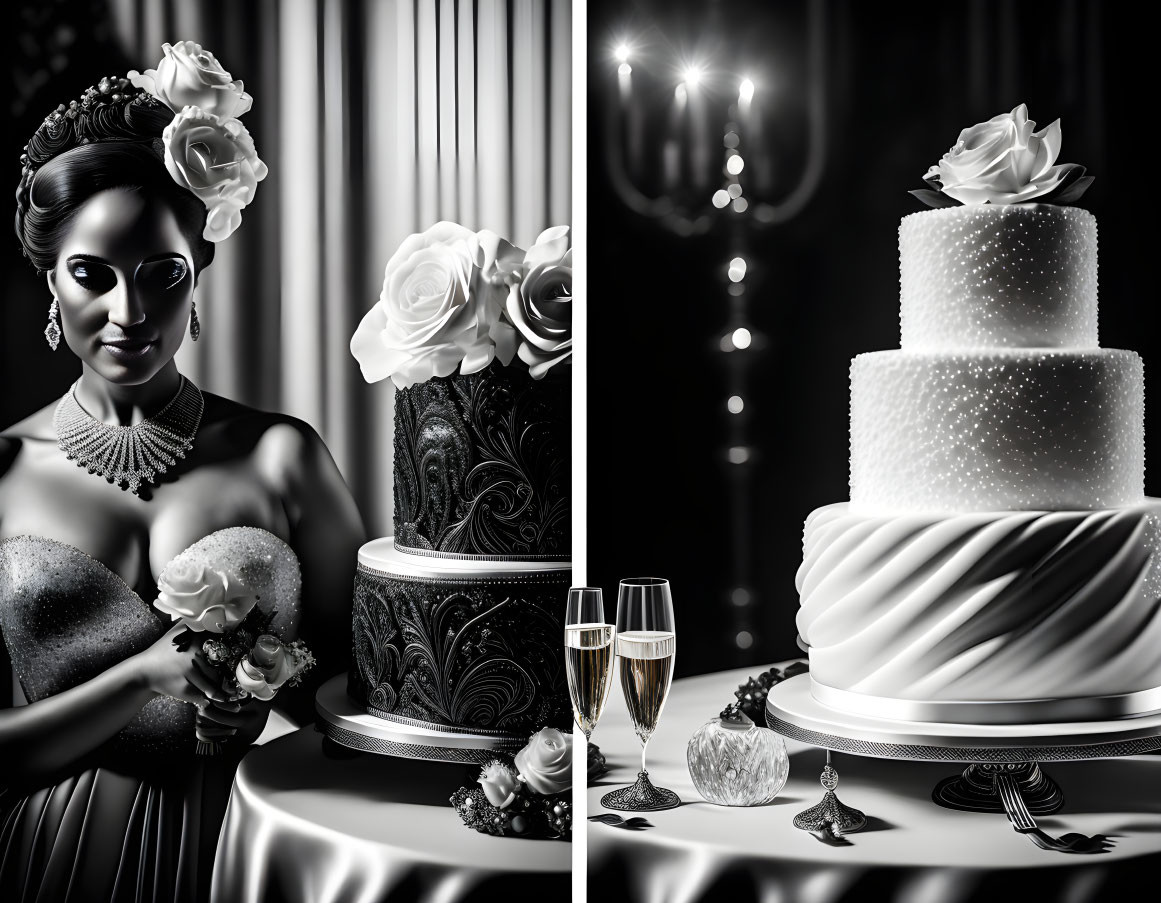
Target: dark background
902, 81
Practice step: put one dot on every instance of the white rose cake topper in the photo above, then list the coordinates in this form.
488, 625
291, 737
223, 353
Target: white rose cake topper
207, 149
454, 300
1004, 161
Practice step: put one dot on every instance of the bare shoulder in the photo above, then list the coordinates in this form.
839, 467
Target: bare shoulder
287, 451
36, 426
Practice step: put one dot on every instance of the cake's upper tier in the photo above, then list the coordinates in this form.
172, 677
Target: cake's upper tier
482, 465
998, 276
997, 431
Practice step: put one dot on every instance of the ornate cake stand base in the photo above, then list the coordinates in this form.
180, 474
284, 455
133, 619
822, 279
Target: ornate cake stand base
1008, 754
977, 790
831, 811
342, 721
641, 796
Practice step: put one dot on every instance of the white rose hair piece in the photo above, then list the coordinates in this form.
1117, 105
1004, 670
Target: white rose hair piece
1004, 161
207, 149
455, 300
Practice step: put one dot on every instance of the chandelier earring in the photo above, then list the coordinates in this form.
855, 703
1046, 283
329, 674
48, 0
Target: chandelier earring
52, 330
195, 328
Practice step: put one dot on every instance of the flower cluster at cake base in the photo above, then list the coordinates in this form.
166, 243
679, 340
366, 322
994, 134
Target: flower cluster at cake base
752, 694
454, 300
529, 797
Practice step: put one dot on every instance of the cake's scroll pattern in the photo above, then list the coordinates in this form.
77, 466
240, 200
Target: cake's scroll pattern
482, 465
983, 606
470, 656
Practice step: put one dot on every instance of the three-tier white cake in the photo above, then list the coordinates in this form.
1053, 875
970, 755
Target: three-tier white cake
998, 562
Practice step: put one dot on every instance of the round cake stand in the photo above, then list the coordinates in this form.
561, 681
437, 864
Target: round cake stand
1003, 773
342, 721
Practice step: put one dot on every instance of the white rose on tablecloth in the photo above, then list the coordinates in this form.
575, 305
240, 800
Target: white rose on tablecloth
499, 784
1004, 161
545, 762
440, 308
189, 76
201, 597
269, 665
216, 160
540, 306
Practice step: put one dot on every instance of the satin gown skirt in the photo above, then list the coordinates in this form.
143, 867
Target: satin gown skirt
103, 835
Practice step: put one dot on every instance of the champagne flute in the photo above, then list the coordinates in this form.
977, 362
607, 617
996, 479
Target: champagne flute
588, 642
646, 644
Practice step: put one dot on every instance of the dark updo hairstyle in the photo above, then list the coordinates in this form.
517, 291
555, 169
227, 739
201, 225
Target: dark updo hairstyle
111, 138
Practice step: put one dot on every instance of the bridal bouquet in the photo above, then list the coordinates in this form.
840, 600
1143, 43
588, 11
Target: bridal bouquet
454, 299
241, 586
528, 798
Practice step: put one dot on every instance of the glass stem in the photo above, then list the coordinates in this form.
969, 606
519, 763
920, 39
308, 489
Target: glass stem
644, 746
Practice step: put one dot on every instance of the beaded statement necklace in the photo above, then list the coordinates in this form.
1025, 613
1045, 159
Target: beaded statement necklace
132, 455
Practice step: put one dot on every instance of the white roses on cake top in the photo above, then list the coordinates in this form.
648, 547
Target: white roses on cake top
1004, 161
455, 300
207, 150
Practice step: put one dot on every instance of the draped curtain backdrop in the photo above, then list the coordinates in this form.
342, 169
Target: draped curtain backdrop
377, 119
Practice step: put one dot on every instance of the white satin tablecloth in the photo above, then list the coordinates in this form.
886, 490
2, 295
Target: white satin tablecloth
314, 824
912, 851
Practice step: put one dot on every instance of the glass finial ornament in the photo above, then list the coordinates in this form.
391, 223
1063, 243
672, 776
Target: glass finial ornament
831, 814
733, 762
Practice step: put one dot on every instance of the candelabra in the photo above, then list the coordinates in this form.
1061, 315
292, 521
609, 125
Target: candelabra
688, 148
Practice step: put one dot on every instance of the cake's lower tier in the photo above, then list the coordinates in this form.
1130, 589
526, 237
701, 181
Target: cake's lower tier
989, 617
460, 645
999, 430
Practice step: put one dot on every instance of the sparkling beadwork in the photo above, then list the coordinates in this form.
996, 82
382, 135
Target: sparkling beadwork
998, 276
131, 455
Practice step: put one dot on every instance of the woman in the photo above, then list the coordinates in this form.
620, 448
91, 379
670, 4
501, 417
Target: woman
103, 798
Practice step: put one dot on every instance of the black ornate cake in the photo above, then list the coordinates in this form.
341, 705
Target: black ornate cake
458, 619
482, 465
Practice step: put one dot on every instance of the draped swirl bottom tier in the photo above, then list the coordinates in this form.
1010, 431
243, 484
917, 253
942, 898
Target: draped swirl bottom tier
459, 646
984, 617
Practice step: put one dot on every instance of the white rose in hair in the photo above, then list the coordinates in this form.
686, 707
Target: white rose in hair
201, 597
1002, 161
440, 308
540, 306
189, 76
546, 762
216, 160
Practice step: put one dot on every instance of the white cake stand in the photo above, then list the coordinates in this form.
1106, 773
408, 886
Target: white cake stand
1003, 775
342, 721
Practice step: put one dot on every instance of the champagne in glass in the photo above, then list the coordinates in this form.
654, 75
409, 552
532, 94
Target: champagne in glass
646, 644
588, 642
646, 673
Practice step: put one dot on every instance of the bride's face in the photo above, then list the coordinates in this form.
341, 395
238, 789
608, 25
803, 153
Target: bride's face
124, 282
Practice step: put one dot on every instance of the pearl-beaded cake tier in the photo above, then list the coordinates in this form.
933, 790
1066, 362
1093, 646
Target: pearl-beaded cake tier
1002, 430
1054, 614
996, 275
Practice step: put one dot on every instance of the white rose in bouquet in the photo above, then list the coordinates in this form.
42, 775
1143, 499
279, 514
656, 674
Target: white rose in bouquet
189, 76
540, 306
203, 598
546, 762
440, 307
270, 665
1003, 161
216, 160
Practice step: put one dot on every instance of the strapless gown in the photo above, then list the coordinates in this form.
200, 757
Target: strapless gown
138, 819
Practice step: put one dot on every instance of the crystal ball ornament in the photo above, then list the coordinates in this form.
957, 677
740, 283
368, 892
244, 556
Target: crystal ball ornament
733, 762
